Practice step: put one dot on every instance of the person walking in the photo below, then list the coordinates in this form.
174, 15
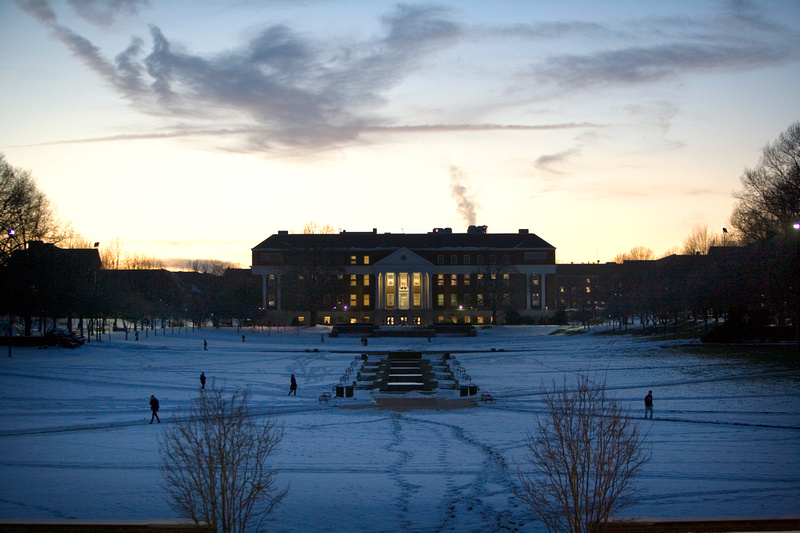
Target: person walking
293, 386
648, 405
154, 408
205, 345
202, 380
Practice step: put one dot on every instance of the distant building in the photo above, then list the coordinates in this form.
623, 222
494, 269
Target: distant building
404, 279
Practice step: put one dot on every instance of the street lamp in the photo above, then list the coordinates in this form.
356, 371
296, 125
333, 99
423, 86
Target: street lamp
11, 234
796, 227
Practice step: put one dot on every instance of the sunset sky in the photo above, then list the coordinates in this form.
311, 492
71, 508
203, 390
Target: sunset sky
196, 129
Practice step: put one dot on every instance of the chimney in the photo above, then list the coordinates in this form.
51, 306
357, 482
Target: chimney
523, 231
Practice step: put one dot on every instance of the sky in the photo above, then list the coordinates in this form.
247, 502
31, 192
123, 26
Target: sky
198, 129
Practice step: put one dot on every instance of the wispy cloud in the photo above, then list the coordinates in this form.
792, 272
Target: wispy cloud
548, 164
738, 40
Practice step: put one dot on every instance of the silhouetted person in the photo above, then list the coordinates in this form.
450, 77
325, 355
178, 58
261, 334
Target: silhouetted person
154, 408
242, 338
648, 405
205, 345
322, 338
202, 380
293, 386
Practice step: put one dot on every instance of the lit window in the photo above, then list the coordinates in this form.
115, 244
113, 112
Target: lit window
353, 300
479, 320
366, 280
440, 280
353, 281
352, 260
390, 279
467, 278
417, 279
453, 280
440, 300
326, 320
453, 300
366, 259
390, 300
480, 280
403, 279
366, 300
417, 299
506, 279
479, 300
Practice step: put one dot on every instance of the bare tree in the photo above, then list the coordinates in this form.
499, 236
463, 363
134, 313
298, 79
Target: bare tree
312, 227
769, 201
26, 210
215, 463
637, 253
585, 454
700, 240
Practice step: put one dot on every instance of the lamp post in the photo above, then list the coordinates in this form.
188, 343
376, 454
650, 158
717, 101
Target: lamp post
796, 227
11, 234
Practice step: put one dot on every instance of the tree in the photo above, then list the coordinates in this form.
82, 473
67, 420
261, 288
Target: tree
637, 253
585, 454
494, 283
215, 463
769, 201
26, 210
700, 240
312, 227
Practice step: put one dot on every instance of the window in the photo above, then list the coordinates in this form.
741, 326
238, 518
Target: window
353, 320
467, 299
453, 300
301, 319
403, 280
366, 300
453, 259
506, 259
417, 279
440, 280
453, 280
353, 280
467, 278
366, 280
403, 320
440, 300
390, 321
390, 279
467, 259
271, 280
353, 300
492, 259
352, 260
390, 300
479, 320
480, 300
480, 280
417, 299
366, 259
506, 279
326, 320
439, 259
417, 320
480, 259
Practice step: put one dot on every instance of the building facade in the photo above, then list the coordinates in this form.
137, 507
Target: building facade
404, 279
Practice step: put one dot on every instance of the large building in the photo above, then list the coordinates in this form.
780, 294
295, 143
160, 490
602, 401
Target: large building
404, 279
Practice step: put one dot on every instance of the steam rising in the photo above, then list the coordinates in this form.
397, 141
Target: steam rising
460, 191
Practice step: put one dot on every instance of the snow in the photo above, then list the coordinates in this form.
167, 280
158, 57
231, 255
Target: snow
75, 442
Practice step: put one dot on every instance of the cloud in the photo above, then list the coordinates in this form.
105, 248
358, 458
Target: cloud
297, 91
547, 164
104, 12
738, 40
466, 206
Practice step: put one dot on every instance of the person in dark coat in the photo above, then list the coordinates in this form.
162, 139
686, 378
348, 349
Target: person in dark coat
205, 345
648, 405
202, 380
293, 386
154, 408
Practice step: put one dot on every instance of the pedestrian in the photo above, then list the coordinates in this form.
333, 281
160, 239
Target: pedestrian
648, 405
154, 408
293, 386
242, 338
202, 380
205, 345
322, 338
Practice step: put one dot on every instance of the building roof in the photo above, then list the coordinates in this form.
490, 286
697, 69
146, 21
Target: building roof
439, 239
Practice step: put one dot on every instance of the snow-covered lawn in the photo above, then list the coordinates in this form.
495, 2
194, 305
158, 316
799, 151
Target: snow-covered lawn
75, 442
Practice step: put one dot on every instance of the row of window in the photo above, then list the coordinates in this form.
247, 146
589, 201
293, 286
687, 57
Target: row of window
405, 320
466, 279
466, 259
